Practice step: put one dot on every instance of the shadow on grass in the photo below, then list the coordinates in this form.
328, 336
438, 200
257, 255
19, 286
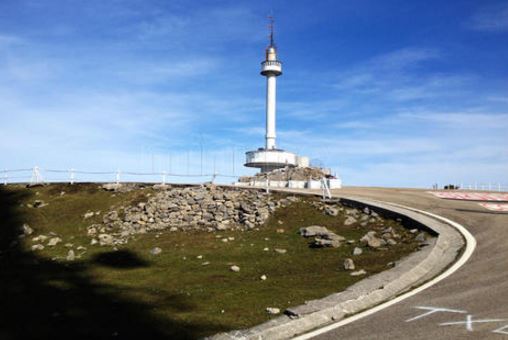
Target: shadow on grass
120, 259
43, 299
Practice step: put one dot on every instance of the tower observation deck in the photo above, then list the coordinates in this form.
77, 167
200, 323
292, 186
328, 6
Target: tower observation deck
270, 157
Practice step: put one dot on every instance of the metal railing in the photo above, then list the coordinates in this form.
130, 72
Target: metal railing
37, 175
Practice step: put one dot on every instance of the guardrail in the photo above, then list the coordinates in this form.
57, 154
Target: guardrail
37, 175
484, 187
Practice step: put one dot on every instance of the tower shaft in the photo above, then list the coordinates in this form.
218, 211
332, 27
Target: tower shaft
271, 84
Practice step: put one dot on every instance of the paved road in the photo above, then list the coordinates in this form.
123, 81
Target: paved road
479, 290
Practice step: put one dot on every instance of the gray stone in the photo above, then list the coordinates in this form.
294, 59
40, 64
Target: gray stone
280, 251
349, 264
54, 241
372, 241
27, 230
70, 255
313, 230
105, 239
391, 242
331, 211
350, 220
37, 247
235, 269
156, 251
88, 215
358, 272
272, 310
40, 238
357, 251
322, 242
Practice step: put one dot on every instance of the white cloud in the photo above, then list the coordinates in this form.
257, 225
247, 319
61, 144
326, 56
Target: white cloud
394, 76
491, 19
9, 40
404, 58
469, 120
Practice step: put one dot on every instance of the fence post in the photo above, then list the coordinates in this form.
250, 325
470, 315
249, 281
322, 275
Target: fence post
36, 176
267, 188
117, 176
499, 187
71, 176
5, 177
164, 178
213, 177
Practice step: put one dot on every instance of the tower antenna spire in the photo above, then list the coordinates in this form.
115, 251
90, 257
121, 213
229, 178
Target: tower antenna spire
270, 27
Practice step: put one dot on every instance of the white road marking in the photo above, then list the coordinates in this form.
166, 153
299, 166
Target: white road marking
432, 310
470, 247
469, 322
495, 206
501, 330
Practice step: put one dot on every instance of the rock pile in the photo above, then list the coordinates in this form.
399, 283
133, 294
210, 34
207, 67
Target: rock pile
322, 236
207, 208
288, 173
388, 237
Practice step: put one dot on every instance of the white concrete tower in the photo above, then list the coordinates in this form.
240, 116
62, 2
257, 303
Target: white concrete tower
271, 68
270, 157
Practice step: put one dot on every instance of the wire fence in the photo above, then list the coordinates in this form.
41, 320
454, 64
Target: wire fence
37, 175
477, 186
484, 187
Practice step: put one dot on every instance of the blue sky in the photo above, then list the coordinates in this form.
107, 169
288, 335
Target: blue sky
386, 93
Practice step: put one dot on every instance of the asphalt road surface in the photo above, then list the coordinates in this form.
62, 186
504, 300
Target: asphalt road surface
472, 303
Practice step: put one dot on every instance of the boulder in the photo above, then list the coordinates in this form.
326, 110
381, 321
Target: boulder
88, 215
372, 240
27, 230
350, 220
272, 310
235, 269
54, 241
323, 236
357, 251
155, 251
328, 242
105, 239
37, 247
313, 230
349, 264
358, 272
70, 255
40, 238
331, 211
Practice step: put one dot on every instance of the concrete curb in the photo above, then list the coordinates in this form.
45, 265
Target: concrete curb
409, 273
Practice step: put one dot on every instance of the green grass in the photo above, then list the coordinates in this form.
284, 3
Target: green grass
130, 292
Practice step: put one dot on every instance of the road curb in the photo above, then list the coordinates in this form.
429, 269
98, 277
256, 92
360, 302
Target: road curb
418, 271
